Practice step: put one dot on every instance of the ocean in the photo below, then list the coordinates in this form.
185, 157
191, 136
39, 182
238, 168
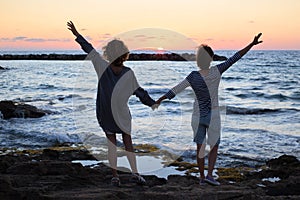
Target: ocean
259, 95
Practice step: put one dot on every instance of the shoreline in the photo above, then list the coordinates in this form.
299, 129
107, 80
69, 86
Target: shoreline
51, 173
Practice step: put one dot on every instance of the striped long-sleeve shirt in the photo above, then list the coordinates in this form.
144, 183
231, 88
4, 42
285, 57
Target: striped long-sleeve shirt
205, 87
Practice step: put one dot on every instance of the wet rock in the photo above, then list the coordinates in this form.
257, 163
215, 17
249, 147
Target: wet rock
2, 68
49, 154
45, 168
287, 168
281, 167
5, 184
182, 180
284, 161
67, 154
286, 187
49, 174
11, 109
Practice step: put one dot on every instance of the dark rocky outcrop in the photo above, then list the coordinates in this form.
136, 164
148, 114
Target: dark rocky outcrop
50, 174
11, 109
42, 57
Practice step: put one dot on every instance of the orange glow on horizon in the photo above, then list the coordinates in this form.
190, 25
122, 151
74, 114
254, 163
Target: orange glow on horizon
41, 25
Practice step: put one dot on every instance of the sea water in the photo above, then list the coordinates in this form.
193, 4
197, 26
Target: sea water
259, 96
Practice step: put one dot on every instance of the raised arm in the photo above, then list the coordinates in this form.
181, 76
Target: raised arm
238, 55
99, 63
72, 28
249, 46
85, 45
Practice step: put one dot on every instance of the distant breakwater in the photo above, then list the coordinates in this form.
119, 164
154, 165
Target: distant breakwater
133, 56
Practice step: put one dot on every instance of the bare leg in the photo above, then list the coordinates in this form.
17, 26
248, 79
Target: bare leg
112, 152
212, 157
200, 159
130, 152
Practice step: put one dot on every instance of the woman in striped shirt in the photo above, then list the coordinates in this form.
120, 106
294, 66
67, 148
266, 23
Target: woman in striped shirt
206, 113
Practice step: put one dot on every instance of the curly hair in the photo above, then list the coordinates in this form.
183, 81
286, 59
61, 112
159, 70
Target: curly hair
116, 52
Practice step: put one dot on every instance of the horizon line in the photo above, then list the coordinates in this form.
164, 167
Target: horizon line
160, 51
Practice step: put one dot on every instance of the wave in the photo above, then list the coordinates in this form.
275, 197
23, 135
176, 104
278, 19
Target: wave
70, 96
244, 96
34, 88
33, 139
57, 97
282, 97
256, 88
256, 111
46, 86
259, 79
278, 96
51, 87
232, 78
232, 89
295, 66
249, 111
243, 89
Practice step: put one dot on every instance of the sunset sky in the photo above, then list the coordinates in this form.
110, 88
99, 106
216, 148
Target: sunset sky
223, 24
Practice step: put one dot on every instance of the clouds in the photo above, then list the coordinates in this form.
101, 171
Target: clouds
147, 37
26, 42
36, 40
103, 38
19, 38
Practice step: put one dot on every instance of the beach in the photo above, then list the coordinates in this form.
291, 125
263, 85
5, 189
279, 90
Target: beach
51, 173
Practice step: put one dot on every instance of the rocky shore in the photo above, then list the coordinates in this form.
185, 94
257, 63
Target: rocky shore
12, 109
50, 174
133, 56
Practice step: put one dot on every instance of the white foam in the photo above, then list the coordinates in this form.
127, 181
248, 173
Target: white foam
86, 163
273, 180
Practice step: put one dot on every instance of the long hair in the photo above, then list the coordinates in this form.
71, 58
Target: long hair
116, 52
204, 56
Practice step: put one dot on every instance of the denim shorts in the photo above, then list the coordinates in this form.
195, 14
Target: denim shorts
210, 124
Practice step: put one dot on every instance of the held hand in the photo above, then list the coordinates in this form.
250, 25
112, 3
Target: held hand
157, 103
155, 106
72, 28
256, 38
